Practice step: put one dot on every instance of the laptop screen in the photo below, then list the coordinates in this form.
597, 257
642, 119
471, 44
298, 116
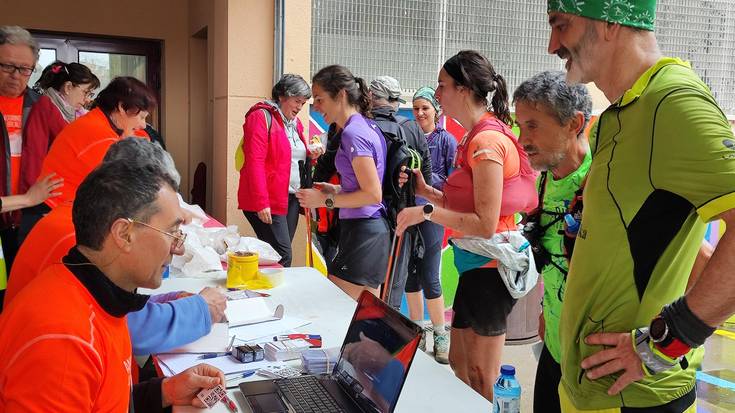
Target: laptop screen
376, 354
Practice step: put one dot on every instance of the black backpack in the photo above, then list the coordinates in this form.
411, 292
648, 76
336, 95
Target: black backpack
398, 156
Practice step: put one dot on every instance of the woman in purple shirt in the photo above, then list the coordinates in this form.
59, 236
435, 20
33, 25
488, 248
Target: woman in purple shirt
364, 239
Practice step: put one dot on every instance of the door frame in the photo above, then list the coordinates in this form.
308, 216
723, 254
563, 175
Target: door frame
68, 46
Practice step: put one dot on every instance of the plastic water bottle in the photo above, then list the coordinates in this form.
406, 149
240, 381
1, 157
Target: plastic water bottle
572, 224
507, 391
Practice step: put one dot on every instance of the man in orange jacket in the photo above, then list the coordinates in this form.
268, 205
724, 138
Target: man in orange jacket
76, 355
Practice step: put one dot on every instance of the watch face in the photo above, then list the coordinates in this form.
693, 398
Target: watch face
658, 329
428, 209
329, 202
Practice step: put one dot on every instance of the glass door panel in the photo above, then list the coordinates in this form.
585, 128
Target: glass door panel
108, 66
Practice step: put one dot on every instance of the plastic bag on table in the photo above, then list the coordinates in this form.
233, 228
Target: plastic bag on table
266, 254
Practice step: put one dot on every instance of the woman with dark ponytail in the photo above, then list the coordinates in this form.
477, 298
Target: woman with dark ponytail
491, 181
66, 89
364, 238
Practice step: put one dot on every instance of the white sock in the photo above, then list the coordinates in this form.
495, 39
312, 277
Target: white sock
439, 328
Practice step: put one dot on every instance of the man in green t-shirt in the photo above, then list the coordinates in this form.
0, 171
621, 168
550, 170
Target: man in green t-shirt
663, 166
552, 116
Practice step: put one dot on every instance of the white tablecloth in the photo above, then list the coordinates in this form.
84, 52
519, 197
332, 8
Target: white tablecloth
305, 293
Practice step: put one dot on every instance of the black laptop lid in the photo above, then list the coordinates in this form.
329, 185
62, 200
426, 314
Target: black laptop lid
376, 354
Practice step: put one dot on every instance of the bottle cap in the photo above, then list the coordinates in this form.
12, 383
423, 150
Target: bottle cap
572, 224
507, 370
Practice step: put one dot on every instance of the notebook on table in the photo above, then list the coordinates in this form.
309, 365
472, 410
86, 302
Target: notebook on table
368, 377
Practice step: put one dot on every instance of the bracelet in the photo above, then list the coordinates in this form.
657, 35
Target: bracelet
653, 360
684, 324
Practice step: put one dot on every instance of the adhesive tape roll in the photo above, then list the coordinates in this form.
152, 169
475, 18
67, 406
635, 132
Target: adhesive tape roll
274, 275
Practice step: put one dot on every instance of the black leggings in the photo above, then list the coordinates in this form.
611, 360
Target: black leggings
546, 388
280, 233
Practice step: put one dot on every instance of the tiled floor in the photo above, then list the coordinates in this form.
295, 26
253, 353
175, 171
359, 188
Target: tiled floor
715, 385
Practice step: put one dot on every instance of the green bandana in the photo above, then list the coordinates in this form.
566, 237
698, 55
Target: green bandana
427, 93
633, 13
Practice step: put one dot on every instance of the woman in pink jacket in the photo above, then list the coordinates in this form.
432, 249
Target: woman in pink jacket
273, 144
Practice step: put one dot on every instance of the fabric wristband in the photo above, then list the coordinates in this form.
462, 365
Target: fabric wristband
653, 360
676, 348
684, 324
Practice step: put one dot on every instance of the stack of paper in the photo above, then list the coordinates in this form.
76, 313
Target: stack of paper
320, 361
172, 364
285, 349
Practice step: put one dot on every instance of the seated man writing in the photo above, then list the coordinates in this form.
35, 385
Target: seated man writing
64, 341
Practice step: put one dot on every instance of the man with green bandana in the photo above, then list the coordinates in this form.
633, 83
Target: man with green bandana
662, 167
552, 116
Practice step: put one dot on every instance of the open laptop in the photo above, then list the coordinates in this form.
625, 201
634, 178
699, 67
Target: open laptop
368, 377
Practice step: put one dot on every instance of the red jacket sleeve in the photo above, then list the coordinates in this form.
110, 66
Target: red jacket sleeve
255, 149
43, 124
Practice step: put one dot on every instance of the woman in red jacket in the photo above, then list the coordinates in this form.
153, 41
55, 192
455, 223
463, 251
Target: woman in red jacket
273, 145
66, 89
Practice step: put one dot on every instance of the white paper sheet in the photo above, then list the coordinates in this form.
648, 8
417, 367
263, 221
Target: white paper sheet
266, 331
249, 311
176, 363
216, 341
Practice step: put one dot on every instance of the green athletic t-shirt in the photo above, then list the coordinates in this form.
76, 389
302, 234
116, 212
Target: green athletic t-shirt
557, 196
663, 165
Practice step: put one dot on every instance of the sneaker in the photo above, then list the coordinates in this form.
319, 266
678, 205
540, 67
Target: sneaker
422, 343
441, 347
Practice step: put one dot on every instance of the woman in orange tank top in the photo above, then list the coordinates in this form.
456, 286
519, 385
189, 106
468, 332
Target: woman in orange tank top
491, 181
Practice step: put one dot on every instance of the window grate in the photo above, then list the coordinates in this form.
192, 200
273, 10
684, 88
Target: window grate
410, 39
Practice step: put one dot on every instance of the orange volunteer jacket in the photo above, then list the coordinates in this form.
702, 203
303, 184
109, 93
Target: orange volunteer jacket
46, 244
60, 351
77, 150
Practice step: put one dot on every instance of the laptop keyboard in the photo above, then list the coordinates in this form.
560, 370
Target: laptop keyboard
307, 395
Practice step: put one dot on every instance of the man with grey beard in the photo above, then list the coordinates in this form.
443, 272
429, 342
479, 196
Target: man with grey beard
552, 116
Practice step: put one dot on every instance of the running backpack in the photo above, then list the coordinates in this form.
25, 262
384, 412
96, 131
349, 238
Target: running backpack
399, 156
240, 153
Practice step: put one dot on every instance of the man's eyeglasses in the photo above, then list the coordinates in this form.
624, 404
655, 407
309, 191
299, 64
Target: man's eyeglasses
25, 71
178, 235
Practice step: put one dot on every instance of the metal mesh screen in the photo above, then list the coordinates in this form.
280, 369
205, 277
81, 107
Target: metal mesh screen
703, 32
410, 39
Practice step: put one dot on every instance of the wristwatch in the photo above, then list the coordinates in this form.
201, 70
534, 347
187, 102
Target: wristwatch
659, 332
428, 210
664, 340
329, 202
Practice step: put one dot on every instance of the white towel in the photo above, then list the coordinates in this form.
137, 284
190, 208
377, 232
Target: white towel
515, 259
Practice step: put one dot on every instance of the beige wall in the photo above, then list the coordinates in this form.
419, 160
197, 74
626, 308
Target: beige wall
243, 78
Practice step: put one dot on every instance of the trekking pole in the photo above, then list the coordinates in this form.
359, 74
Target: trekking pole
304, 171
395, 252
